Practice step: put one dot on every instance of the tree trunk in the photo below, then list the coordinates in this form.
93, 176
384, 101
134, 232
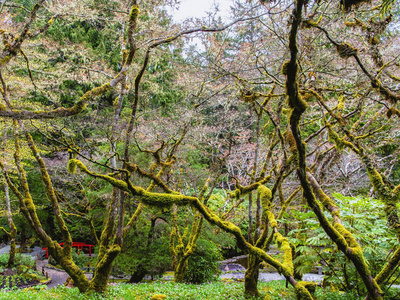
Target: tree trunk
180, 270
13, 229
138, 275
251, 276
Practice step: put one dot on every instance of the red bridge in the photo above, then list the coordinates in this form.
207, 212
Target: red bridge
79, 245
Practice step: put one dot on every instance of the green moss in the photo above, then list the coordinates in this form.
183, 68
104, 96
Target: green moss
347, 235
71, 167
340, 105
271, 219
392, 111
302, 292
5, 60
265, 196
374, 40
133, 15
285, 67
310, 23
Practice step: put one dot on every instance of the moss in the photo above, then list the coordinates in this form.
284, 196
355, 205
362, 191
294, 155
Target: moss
115, 182
248, 96
5, 60
115, 103
71, 167
291, 141
302, 292
346, 50
351, 241
391, 111
284, 68
133, 15
374, 40
265, 195
310, 23
96, 92
271, 219
340, 105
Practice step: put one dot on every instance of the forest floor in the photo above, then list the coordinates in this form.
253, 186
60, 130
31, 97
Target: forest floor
58, 277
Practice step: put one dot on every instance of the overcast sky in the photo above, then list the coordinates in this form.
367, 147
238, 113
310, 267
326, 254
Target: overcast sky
198, 8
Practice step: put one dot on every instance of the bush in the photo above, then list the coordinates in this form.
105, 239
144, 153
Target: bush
203, 264
20, 259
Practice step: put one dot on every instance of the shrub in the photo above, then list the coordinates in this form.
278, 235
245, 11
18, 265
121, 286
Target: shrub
203, 264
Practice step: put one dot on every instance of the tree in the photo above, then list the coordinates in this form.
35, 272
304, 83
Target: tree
114, 227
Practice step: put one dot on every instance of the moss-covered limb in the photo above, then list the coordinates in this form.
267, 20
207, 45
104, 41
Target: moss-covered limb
352, 253
371, 133
108, 230
140, 207
19, 196
12, 49
93, 232
326, 201
388, 270
283, 244
150, 175
298, 107
133, 219
103, 269
114, 182
25, 199
377, 179
184, 253
286, 204
393, 112
58, 112
28, 208
51, 195
340, 143
244, 190
302, 290
265, 195
13, 230
132, 25
181, 253
345, 51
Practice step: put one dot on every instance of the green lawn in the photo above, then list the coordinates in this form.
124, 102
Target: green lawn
217, 290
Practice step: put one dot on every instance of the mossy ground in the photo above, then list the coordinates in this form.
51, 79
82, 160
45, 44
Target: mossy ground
218, 290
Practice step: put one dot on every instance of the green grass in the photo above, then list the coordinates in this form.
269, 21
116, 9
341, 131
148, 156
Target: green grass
217, 290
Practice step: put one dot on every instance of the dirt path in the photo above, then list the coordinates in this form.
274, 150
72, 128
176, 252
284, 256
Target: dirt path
58, 277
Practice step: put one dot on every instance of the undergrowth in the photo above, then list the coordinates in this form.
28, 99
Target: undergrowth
217, 290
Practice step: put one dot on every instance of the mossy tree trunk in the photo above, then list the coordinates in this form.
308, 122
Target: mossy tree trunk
13, 230
12, 233
251, 275
343, 238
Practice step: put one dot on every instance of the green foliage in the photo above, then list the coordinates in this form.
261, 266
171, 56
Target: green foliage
274, 290
365, 219
20, 259
144, 252
95, 34
39, 97
81, 260
203, 263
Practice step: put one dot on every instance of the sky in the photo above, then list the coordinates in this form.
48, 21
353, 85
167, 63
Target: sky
198, 8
